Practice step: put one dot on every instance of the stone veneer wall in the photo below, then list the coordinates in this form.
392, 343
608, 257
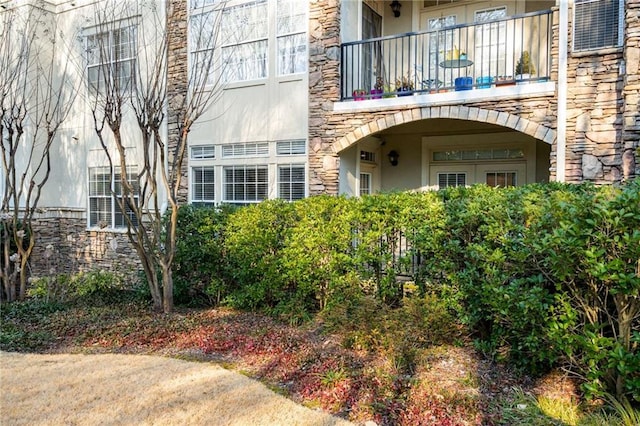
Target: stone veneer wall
631, 92
602, 109
75, 249
177, 82
602, 123
324, 90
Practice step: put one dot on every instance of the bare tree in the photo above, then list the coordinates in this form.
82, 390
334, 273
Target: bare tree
164, 113
35, 99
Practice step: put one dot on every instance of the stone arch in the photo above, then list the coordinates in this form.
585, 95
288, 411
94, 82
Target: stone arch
499, 118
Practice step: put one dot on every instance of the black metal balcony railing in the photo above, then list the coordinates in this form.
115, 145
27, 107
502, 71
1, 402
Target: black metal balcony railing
460, 57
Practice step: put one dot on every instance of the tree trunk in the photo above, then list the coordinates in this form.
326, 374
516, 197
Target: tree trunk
23, 278
167, 289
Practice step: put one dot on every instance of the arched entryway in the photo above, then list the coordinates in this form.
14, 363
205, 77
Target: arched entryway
422, 148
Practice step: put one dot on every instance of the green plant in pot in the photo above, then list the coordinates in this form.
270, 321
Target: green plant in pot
524, 67
404, 86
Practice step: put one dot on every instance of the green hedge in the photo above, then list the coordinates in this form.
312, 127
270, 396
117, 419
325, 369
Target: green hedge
541, 274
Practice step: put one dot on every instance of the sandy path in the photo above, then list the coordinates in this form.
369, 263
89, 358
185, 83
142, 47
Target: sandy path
138, 390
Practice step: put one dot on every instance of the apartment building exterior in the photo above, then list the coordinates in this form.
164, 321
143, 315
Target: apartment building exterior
356, 97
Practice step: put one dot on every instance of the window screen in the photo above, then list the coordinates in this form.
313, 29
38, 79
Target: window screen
596, 24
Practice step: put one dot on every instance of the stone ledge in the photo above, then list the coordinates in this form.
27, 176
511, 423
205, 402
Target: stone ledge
524, 91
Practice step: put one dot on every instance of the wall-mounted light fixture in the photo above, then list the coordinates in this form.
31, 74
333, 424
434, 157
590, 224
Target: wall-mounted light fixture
395, 6
393, 157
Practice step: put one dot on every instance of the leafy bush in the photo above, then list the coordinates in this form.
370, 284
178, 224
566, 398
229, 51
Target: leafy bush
199, 263
594, 257
254, 238
91, 287
317, 256
540, 274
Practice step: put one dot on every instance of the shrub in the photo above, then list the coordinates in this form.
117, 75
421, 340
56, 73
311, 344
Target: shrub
93, 287
200, 264
593, 256
254, 238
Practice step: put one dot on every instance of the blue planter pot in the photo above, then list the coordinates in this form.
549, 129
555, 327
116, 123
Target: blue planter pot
463, 83
484, 82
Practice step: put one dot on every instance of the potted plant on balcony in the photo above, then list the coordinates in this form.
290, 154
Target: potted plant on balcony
524, 68
505, 80
359, 95
378, 88
404, 86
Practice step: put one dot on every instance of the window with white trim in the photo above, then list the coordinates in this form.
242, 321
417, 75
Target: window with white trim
203, 185
244, 36
490, 41
501, 179
260, 149
245, 183
202, 42
111, 59
105, 192
449, 180
597, 24
295, 147
365, 183
291, 22
291, 182
203, 152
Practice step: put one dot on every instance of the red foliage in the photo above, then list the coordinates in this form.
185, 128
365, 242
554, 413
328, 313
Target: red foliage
307, 365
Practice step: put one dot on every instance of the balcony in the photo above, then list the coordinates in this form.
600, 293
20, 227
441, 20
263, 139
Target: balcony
508, 51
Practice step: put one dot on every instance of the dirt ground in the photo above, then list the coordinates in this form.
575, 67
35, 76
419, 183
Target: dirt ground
138, 390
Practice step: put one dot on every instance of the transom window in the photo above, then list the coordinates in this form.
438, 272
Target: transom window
291, 182
111, 59
295, 147
105, 192
597, 24
479, 154
245, 183
203, 152
260, 149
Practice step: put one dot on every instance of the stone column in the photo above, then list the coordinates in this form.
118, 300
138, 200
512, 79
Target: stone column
177, 81
631, 92
324, 90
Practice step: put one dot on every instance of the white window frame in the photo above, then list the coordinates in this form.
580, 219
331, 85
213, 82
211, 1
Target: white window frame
490, 30
292, 185
199, 184
299, 33
96, 60
291, 147
365, 183
109, 193
239, 69
620, 38
245, 150
260, 187
203, 152
457, 176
